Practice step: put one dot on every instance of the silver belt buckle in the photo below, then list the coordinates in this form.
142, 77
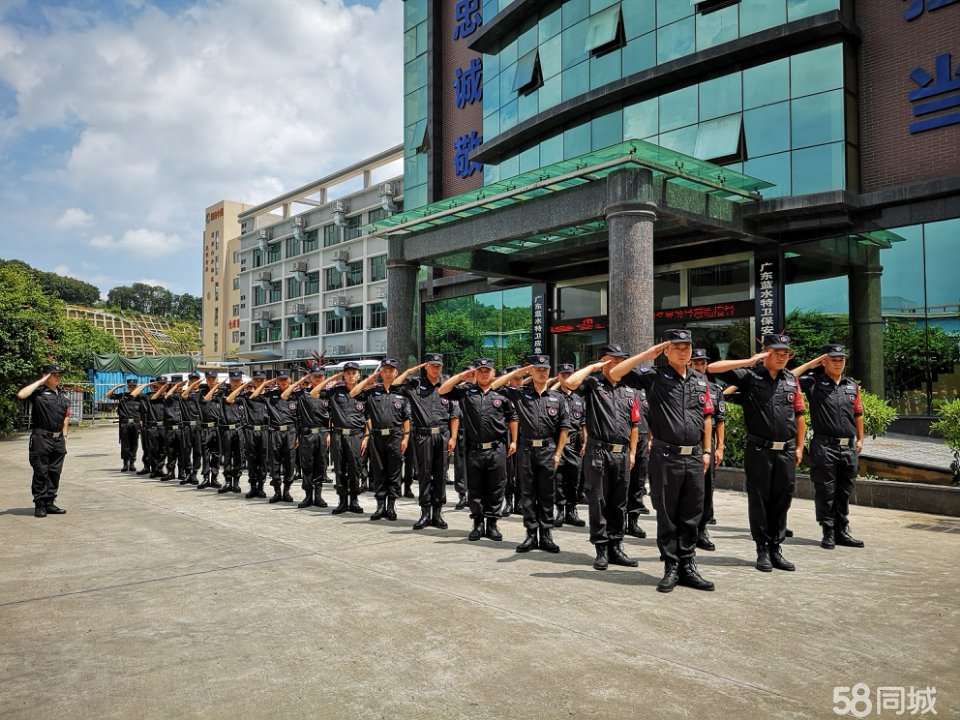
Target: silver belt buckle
257, 428
314, 431
345, 431
385, 431
778, 445
486, 446
616, 448
538, 443
282, 428
686, 449
434, 431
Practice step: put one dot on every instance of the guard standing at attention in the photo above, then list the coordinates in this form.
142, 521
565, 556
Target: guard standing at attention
773, 413
256, 436
681, 425
151, 418
49, 417
172, 422
283, 437
639, 471
313, 424
568, 472
460, 462
233, 428
836, 413
347, 415
613, 412
128, 420
388, 433
512, 500
699, 362
490, 424
544, 428
191, 436
435, 428
211, 417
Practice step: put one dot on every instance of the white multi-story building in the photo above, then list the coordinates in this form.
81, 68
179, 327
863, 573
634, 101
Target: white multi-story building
314, 282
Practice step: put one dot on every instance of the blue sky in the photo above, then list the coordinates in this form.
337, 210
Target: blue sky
121, 120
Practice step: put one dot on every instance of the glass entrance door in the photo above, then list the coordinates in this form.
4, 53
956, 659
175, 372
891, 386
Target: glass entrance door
579, 346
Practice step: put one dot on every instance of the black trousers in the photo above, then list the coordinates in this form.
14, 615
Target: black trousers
282, 453
606, 477
313, 459
196, 449
410, 464
233, 450
568, 481
513, 487
46, 455
771, 477
676, 488
210, 452
258, 454
638, 476
707, 514
486, 480
460, 466
431, 453
178, 448
386, 463
153, 446
129, 434
346, 462
833, 469
535, 472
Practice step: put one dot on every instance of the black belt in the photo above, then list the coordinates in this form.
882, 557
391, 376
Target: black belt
433, 430
234, 426
171, 426
155, 423
283, 428
191, 423
347, 432
386, 432
210, 424
315, 430
834, 440
538, 442
679, 449
47, 433
777, 445
128, 421
615, 448
486, 445
257, 428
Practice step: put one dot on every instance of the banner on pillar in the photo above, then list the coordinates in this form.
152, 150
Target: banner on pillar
538, 324
768, 288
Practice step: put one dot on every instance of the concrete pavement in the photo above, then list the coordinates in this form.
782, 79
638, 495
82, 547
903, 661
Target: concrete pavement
152, 600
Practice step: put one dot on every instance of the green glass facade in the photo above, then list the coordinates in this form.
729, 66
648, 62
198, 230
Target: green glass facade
414, 103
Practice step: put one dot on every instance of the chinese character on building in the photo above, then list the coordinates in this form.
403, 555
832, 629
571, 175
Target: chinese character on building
468, 18
943, 82
463, 146
917, 7
468, 85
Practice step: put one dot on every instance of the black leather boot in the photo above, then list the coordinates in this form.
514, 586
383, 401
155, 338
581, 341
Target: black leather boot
260, 492
763, 558
847, 540
437, 520
354, 506
704, 542
143, 471
529, 543
558, 516
205, 484
40, 509
633, 528
235, 488
287, 497
507, 508
252, 492
618, 556
424, 518
341, 506
391, 512
601, 562
126, 466
381, 509
643, 509
277, 495
54, 510
226, 486
461, 503
408, 492
307, 500
671, 576
214, 483
492, 532
779, 561
828, 542
571, 517
478, 530
318, 500
690, 576
546, 542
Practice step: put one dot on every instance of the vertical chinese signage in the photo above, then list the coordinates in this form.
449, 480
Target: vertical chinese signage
768, 284
938, 92
467, 87
538, 325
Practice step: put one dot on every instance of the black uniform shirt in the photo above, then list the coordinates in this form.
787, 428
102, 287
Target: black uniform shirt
172, 412
612, 410
541, 416
153, 407
834, 407
770, 405
678, 404
427, 407
48, 409
312, 412
643, 426
258, 412
235, 414
386, 408
345, 411
128, 406
211, 411
190, 406
282, 412
485, 414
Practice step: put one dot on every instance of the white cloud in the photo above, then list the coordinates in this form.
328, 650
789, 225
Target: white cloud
74, 218
154, 281
237, 99
140, 242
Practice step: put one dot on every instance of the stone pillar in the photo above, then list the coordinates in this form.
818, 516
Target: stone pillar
630, 218
402, 335
866, 321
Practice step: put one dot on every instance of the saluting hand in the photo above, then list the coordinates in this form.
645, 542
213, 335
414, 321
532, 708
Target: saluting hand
760, 356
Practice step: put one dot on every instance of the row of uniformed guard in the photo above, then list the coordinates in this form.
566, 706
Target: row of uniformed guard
603, 418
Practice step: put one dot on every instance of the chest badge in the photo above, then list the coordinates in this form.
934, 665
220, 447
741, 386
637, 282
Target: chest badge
398, 404
551, 411
497, 402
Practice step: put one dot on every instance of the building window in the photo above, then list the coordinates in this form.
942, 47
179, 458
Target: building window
260, 334
376, 215
312, 283
236, 311
236, 283
294, 329
729, 282
310, 241
354, 273
273, 253
378, 315
378, 268
330, 235
235, 337
236, 257
276, 291
355, 318
332, 279
312, 326
257, 258
276, 330
259, 296
352, 229
294, 287
333, 323
293, 247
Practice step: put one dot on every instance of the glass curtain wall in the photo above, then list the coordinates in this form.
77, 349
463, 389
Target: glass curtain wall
415, 103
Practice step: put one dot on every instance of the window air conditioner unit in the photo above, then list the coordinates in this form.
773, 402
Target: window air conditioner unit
339, 213
264, 278
300, 313
299, 269
339, 301
262, 237
386, 197
263, 318
298, 228
341, 258
341, 311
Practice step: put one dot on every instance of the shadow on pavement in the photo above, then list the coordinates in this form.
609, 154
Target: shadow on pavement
619, 577
17, 511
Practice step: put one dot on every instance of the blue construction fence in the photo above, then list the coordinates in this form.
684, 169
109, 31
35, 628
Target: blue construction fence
103, 380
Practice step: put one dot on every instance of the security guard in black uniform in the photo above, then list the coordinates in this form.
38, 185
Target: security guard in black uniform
191, 435
177, 454
435, 428
283, 437
388, 433
544, 428
257, 434
233, 428
613, 412
699, 362
460, 463
49, 417
211, 417
349, 420
490, 428
313, 426
128, 420
773, 413
568, 472
639, 472
512, 500
151, 424
836, 413
681, 425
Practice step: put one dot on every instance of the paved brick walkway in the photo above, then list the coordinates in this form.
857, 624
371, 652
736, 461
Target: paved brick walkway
930, 452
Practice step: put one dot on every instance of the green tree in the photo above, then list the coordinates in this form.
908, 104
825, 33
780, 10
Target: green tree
68, 289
